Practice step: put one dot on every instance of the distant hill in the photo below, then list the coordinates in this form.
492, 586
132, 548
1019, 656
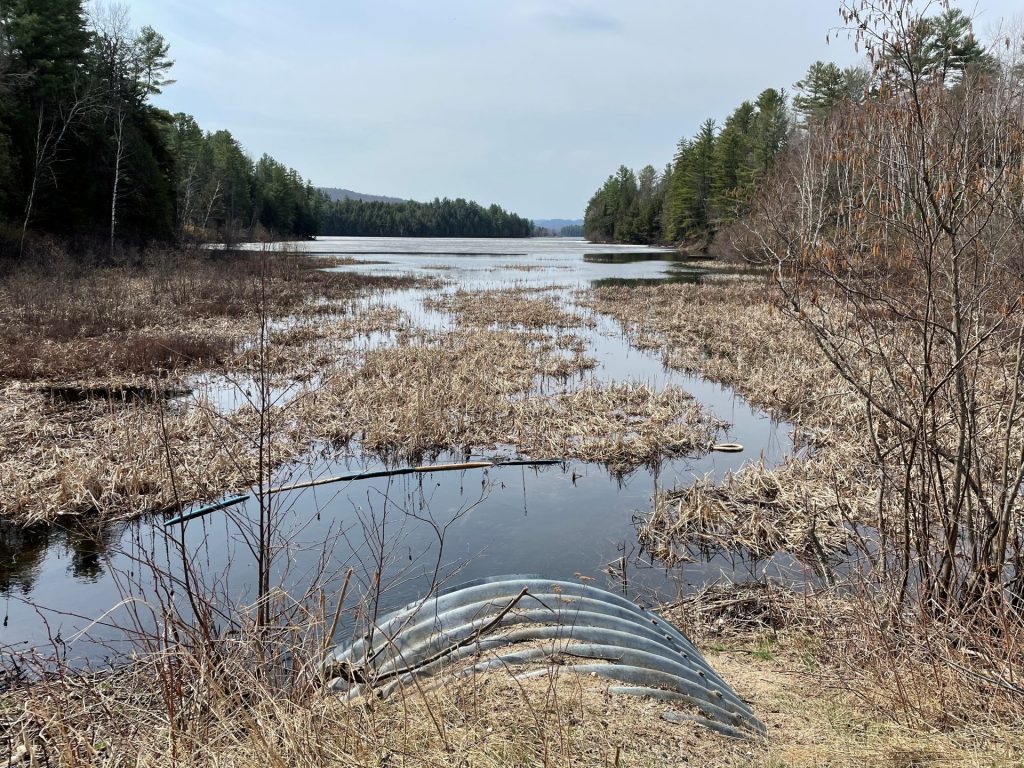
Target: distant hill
555, 225
347, 194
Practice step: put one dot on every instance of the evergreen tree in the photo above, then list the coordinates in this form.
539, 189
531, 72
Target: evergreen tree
950, 47
733, 163
825, 86
83, 151
626, 206
770, 130
939, 49
650, 196
438, 218
600, 218
47, 44
694, 187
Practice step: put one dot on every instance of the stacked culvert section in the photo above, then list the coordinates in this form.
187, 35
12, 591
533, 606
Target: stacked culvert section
524, 624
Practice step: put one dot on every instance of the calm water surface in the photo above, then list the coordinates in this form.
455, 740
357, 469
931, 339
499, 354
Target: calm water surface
75, 589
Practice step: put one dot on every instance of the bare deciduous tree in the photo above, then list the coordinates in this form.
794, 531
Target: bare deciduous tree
896, 234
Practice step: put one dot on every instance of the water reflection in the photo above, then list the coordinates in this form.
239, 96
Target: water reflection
634, 257
563, 522
25, 550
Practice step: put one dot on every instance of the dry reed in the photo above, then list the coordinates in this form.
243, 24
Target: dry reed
100, 420
940, 673
506, 308
478, 390
116, 458
225, 707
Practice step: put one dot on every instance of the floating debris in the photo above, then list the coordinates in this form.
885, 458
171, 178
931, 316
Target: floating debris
727, 447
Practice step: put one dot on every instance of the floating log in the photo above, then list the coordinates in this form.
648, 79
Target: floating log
424, 469
206, 510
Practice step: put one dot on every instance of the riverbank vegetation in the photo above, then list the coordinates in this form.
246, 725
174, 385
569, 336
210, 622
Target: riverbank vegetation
703, 187
709, 182
231, 702
885, 321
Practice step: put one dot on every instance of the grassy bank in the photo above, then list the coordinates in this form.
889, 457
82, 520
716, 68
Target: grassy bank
235, 701
932, 674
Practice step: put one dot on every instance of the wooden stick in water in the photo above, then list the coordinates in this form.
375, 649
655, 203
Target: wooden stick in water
424, 469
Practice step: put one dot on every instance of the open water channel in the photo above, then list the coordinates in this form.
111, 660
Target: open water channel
77, 589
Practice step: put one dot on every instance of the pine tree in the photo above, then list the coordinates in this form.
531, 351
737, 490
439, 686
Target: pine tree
770, 130
951, 48
732, 163
688, 200
825, 86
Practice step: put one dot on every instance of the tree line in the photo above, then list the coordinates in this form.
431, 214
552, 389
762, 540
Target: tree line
713, 174
84, 152
438, 218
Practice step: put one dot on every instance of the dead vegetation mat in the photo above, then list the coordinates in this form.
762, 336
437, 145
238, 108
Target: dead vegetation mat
470, 390
102, 373
507, 308
729, 331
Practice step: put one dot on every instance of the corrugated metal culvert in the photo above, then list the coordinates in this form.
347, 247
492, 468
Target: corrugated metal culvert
526, 623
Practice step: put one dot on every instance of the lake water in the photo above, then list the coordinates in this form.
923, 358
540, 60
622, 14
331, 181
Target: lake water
76, 589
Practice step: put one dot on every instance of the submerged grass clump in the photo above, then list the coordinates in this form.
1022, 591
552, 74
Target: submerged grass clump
760, 511
728, 331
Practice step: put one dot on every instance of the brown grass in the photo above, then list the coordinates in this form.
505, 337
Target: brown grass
924, 688
506, 309
228, 705
173, 312
231, 717
476, 390
728, 331
115, 458
96, 362
759, 511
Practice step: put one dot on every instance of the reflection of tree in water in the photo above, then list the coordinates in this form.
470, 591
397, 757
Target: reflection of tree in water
23, 550
21, 553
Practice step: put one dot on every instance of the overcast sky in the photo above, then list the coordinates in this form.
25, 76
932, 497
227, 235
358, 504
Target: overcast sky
526, 103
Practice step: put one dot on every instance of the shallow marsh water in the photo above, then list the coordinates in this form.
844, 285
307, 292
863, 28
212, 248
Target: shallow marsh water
77, 588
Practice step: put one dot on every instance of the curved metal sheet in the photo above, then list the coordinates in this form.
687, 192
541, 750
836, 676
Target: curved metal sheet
559, 594
611, 637
441, 632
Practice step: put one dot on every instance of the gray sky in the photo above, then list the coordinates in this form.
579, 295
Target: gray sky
526, 103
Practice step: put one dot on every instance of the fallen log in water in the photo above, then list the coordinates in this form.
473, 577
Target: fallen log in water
424, 469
